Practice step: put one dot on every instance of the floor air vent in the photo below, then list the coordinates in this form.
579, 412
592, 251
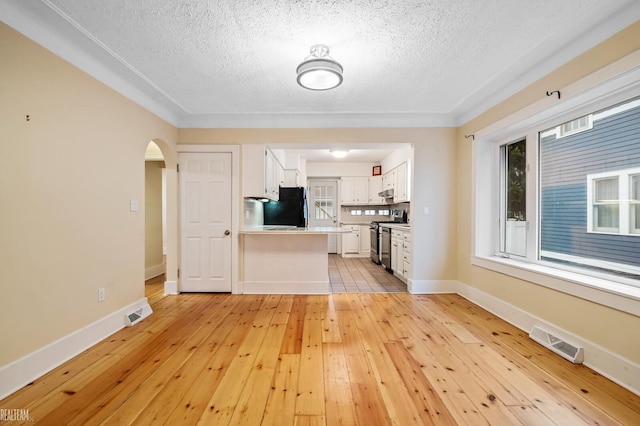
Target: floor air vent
563, 348
138, 315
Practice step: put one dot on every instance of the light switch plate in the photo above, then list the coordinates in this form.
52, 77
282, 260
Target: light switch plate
134, 207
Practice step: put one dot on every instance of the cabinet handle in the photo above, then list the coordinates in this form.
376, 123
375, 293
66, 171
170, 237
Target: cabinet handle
227, 232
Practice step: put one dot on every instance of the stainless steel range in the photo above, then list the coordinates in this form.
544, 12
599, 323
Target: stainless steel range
381, 244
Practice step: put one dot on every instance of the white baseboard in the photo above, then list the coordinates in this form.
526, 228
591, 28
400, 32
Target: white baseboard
153, 271
19, 373
431, 286
171, 287
286, 287
620, 370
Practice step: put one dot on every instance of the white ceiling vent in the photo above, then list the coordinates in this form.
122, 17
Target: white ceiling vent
567, 350
138, 315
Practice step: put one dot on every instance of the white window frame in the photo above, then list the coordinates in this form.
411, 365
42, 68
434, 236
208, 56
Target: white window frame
624, 202
614, 84
502, 243
634, 228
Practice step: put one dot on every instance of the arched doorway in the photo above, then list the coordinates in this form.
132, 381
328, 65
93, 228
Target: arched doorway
155, 212
168, 212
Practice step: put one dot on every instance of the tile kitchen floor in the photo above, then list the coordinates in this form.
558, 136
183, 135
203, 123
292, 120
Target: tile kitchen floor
361, 275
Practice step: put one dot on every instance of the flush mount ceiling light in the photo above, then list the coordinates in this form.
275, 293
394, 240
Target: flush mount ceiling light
319, 71
339, 153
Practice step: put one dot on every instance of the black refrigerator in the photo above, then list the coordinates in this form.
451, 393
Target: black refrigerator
290, 209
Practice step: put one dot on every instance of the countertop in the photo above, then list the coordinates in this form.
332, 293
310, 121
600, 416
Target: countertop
283, 229
401, 226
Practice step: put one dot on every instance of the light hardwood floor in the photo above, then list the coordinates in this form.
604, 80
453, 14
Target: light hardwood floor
367, 359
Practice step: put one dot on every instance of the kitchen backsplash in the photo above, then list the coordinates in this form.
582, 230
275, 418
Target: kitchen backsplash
347, 217
253, 212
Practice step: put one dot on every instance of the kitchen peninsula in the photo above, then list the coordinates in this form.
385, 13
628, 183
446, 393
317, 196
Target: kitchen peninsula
285, 259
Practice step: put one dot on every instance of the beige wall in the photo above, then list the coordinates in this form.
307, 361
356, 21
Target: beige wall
69, 174
604, 326
153, 213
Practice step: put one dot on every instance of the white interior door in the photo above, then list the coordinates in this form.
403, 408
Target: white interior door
205, 192
323, 207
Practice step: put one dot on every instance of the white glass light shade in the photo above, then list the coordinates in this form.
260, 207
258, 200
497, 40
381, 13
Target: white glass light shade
319, 71
339, 153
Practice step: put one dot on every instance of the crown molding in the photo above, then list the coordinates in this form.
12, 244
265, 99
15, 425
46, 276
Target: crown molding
316, 120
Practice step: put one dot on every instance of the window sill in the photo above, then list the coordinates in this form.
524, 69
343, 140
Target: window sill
619, 296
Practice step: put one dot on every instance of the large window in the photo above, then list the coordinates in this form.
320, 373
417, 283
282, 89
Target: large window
586, 190
577, 161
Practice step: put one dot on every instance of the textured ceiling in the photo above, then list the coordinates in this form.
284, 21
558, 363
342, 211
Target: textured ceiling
231, 63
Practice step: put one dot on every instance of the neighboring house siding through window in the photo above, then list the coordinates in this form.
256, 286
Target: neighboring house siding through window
613, 144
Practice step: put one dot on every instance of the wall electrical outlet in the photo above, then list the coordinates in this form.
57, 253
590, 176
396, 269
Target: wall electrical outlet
101, 295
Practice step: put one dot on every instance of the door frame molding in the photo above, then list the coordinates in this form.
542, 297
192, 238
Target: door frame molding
234, 150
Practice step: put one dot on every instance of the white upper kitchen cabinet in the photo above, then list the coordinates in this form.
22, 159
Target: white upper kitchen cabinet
388, 179
375, 187
292, 178
362, 190
401, 188
354, 190
262, 173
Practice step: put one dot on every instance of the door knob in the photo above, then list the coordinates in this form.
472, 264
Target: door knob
227, 232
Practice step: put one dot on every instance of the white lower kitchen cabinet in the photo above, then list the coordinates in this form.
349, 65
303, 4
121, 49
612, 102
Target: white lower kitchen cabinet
357, 243
365, 241
401, 253
406, 247
351, 241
